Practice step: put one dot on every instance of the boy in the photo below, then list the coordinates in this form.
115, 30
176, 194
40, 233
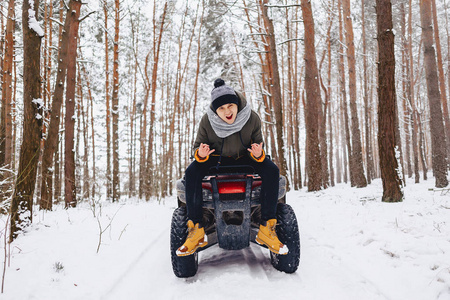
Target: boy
230, 134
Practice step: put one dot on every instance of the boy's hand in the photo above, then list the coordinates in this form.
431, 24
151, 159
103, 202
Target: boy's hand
203, 150
256, 150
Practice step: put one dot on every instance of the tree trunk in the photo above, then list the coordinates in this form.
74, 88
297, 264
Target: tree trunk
115, 106
6, 128
405, 72
69, 131
84, 132
6, 118
313, 100
2, 40
296, 124
329, 93
367, 108
58, 160
410, 93
323, 107
53, 127
348, 160
108, 108
156, 51
91, 106
276, 89
438, 144
358, 169
22, 200
143, 177
448, 57
387, 106
442, 88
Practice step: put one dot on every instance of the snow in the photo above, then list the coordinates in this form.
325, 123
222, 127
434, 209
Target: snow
38, 102
353, 246
33, 24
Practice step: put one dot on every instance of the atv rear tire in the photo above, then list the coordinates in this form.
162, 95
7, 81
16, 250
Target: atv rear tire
183, 266
287, 232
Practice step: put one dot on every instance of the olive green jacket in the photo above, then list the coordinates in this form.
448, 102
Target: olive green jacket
231, 146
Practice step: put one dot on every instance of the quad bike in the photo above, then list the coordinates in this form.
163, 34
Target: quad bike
231, 217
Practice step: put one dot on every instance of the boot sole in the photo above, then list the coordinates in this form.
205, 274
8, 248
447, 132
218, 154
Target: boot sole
193, 250
261, 242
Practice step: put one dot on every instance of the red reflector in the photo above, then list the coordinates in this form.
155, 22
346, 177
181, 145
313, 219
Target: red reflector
231, 187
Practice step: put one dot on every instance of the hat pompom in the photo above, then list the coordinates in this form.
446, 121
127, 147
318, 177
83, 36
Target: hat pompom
218, 82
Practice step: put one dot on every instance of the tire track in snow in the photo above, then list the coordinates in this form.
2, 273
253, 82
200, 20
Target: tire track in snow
135, 263
215, 261
257, 262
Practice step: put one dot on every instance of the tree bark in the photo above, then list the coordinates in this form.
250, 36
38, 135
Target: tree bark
358, 169
82, 121
296, 125
276, 89
6, 118
156, 51
70, 195
108, 107
448, 56
91, 121
367, 108
405, 74
438, 143
387, 106
313, 100
6, 128
22, 200
410, 93
329, 94
442, 88
348, 160
115, 106
53, 128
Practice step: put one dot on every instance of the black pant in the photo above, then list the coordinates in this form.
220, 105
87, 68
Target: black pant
268, 171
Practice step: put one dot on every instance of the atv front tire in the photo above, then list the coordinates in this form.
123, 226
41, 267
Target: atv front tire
287, 232
183, 266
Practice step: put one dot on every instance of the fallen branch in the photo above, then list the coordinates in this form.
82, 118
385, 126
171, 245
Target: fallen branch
106, 228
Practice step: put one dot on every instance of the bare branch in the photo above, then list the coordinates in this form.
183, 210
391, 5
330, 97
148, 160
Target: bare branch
86, 16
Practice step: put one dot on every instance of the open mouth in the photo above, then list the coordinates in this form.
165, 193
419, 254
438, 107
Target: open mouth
229, 117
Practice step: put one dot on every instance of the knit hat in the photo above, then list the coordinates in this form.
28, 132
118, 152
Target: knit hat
222, 94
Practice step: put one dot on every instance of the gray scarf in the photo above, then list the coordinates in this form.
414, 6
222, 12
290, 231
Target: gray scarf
222, 128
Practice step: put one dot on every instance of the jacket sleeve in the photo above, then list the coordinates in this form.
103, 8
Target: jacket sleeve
257, 137
202, 137
256, 132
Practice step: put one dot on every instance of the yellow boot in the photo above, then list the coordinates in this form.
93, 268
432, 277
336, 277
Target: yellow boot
267, 236
196, 238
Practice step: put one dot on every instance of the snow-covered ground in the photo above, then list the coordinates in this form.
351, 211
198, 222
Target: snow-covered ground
353, 247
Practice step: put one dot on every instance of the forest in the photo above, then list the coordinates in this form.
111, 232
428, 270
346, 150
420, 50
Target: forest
100, 100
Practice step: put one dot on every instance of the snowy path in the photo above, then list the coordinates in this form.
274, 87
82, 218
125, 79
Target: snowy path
352, 247
246, 272
143, 267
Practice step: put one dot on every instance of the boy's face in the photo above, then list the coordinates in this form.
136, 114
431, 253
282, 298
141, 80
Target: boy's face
228, 112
